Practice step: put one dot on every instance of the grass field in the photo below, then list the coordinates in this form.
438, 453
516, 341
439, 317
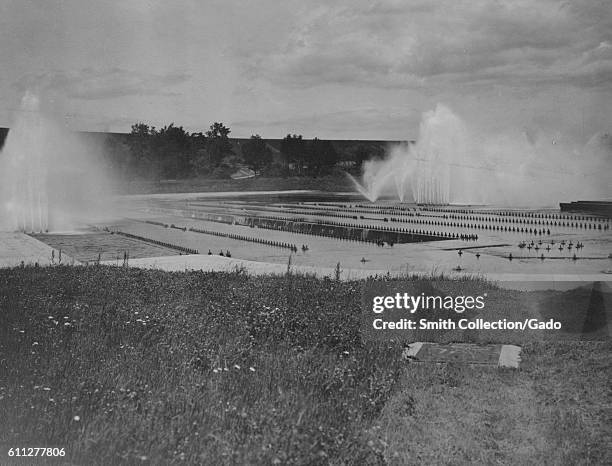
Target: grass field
126, 366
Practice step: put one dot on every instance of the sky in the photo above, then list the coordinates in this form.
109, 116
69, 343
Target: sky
345, 69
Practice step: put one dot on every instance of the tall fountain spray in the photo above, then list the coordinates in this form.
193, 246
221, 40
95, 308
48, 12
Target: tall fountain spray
421, 170
441, 140
24, 170
51, 179
451, 164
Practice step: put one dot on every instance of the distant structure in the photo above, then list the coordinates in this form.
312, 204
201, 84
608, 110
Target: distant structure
594, 207
242, 173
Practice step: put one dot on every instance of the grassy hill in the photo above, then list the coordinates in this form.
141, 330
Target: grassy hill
126, 366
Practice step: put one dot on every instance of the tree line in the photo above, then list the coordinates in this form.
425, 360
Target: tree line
171, 152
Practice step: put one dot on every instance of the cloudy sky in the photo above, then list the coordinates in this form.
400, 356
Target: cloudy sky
333, 69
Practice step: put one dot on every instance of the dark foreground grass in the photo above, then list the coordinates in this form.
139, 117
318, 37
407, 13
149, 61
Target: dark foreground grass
124, 366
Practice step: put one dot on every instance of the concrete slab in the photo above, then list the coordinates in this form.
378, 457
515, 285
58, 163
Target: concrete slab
212, 194
510, 356
541, 282
465, 353
224, 264
518, 281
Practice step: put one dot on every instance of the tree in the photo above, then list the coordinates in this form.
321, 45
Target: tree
173, 146
200, 163
293, 149
322, 155
139, 140
365, 152
256, 153
218, 145
141, 144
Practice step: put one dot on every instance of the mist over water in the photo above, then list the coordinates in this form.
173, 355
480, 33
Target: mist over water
50, 179
453, 163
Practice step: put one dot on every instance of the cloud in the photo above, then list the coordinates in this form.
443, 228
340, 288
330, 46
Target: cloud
92, 84
373, 121
312, 66
423, 43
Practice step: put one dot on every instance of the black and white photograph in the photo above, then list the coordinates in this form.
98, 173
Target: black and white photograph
305, 232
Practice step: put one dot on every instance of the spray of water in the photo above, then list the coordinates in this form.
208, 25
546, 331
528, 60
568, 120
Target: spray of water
50, 179
449, 163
